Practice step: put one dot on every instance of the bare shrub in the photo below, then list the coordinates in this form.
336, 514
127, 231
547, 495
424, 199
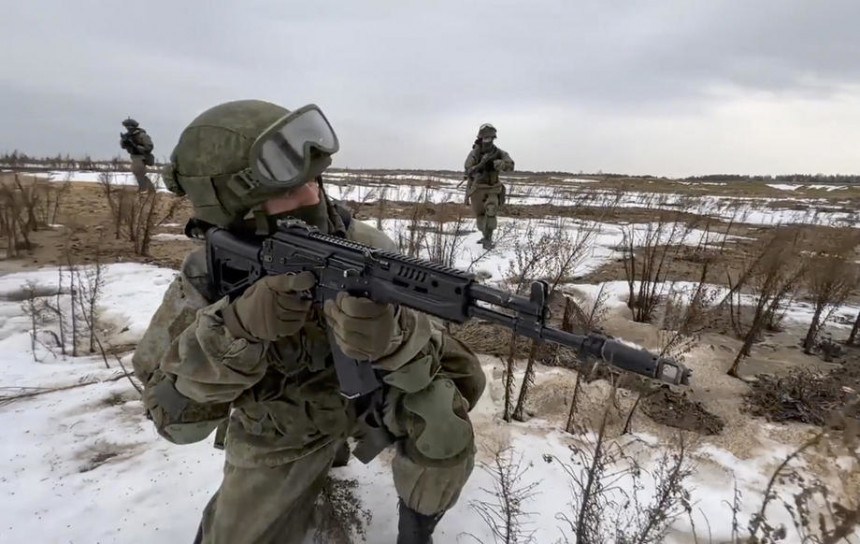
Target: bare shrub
821, 512
136, 214
773, 273
91, 284
57, 309
410, 236
381, 207
445, 240
532, 254
35, 309
803, 395
831, 276
686, 316
567, 249
504, 511
339, 515
16, 219
52, 199
647, 251
68, 315
603, 509
575, 318
852, 337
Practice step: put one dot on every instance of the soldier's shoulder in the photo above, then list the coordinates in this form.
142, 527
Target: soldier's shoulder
194, 271
363, 233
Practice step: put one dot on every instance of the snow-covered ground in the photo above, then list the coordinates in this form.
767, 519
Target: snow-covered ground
114, 178
798, 312
600, 241
368, 188
83, 464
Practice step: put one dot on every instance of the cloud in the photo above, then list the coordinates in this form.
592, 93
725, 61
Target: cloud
672, 87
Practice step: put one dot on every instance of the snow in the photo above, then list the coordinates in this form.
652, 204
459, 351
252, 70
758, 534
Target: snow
116, 178
784, 186
601, 247
566, 191
85, 465
168, 236
800, 312
794, 187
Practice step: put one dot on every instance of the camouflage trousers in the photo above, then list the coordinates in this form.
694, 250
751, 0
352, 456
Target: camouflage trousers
138, 169
264, 503
485, 202
276, 505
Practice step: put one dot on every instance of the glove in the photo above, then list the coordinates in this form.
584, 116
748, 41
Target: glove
498, 164
364, 330
270, 309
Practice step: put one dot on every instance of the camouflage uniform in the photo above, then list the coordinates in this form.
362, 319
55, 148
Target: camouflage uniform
484, 191
139, 146
286, 416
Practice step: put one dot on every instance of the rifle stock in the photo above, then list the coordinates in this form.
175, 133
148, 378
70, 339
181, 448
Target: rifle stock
234, 264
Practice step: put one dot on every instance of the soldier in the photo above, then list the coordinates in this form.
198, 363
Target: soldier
484, 191
263, 363
139, 146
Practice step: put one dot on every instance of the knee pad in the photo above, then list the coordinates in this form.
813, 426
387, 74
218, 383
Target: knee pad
437, 422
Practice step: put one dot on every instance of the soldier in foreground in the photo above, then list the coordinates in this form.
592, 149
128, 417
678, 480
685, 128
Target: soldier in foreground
139, 146
263, 360
484, 191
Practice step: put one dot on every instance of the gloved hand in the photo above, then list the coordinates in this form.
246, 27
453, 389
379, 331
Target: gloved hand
364, 330
498, 164
270, 309
466, 200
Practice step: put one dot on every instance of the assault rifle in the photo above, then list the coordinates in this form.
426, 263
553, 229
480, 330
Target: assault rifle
128, 143
234, 264
486, 159
481, 164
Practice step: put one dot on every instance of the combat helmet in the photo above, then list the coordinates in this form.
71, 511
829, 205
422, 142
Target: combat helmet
487, 131
130, 123
234, 156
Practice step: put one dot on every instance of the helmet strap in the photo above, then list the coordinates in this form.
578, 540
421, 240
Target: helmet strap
242, 182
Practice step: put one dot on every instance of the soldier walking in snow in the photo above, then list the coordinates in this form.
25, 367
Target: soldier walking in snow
139, 146
484, 191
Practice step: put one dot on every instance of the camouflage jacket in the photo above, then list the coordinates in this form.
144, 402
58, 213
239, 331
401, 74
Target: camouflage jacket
283, 396
137, 142
487, 174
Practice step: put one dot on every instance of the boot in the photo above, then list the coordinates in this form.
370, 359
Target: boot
487, 243
415, 528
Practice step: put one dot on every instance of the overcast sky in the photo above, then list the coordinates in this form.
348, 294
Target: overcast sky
675, 87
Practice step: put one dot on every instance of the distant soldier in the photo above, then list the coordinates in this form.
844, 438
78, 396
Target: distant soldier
139, 146
484, 191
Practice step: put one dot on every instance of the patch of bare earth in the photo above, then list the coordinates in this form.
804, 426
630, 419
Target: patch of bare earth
84, 228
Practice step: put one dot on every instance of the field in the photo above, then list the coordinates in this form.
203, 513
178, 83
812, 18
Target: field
752, 285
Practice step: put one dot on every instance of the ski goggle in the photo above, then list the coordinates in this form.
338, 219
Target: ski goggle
283, 155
